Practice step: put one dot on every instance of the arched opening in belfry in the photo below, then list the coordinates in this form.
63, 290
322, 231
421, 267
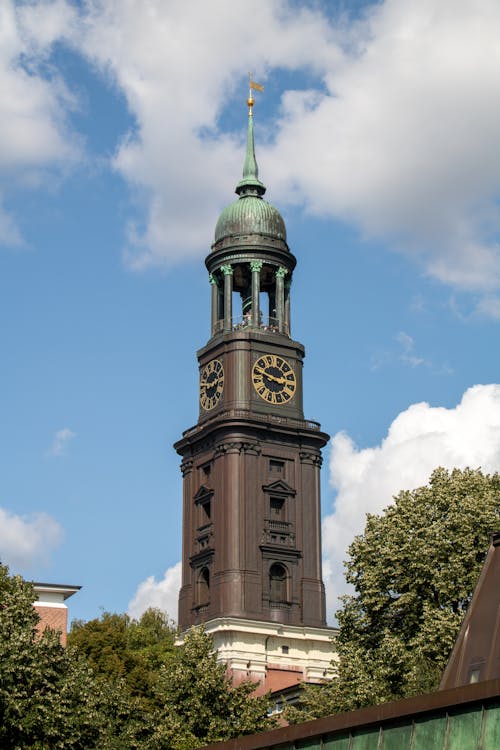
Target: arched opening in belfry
253, 294
277, 584
203, 586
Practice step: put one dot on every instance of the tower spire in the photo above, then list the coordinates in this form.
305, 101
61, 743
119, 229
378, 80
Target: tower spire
250, 184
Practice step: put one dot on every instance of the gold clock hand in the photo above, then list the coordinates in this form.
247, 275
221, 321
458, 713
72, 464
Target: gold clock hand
274, 378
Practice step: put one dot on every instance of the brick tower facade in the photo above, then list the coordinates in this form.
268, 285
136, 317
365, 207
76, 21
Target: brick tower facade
251, 562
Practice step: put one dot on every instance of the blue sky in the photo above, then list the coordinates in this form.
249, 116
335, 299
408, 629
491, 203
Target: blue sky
122, 127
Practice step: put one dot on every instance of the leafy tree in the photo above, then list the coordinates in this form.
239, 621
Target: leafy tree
118, 647
413, 571
200, 703
48, 697
186, 698
120, 685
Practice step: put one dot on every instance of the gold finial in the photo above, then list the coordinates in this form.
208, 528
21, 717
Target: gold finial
253, 86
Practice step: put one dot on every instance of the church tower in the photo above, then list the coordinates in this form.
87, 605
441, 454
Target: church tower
251, 559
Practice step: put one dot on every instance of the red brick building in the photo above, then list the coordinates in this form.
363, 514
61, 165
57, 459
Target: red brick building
50, 605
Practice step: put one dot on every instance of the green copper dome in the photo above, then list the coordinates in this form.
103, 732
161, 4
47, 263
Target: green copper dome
250, 214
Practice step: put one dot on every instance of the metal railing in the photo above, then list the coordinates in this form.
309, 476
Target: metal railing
244, 323
278, 532
278, 525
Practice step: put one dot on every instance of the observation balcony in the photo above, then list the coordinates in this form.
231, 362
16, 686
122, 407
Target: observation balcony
278, 532
245, 323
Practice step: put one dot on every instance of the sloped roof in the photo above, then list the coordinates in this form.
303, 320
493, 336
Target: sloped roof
476, 654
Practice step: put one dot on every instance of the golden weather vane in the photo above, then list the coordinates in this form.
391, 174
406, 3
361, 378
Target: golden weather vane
252, 87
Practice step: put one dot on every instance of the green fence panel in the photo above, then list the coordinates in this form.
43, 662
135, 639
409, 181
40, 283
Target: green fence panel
314, 744
337, 743
491, 740
397, 738
429, 733
464, 730
366, 740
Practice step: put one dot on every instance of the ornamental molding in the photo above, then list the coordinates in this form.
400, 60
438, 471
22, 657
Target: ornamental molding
253, 449
228, 447
307, 457
201, 559
279, 488
186, 466
256, 266
272, 553
203, 495
246, 257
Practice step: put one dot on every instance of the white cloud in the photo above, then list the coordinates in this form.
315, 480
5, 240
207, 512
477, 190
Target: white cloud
406, 354
400, 134
177, 64
34, 102
27, 540
419, 439
490, 307
60, 442
405, 143
162, 594
9, 231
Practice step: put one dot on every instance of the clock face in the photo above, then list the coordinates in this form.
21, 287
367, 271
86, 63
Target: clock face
274, 379
211, 384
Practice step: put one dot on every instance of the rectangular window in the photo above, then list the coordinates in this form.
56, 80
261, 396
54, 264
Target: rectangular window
474, 675
276, 467
277, 508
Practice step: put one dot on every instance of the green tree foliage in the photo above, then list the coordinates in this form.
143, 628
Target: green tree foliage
120, 685
118, 647
186, 699
200, 703
48, 696
413, 571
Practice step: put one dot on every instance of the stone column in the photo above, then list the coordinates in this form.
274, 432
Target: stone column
255, 267
188, 525
215, 302
280, 296
227, 270
288, 284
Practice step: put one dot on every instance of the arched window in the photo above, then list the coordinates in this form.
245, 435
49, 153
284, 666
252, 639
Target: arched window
203, 586
277, 584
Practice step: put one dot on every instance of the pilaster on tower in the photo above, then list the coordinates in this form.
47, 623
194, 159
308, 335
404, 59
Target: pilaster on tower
251, 565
